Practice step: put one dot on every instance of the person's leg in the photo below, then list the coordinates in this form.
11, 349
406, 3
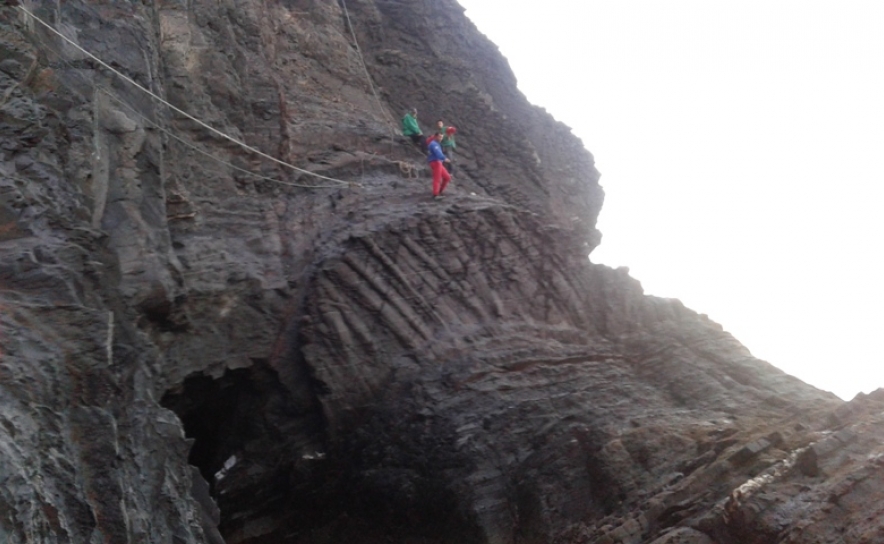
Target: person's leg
449, 152
445, 176
437, 169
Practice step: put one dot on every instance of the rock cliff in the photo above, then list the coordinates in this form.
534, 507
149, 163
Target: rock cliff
201, 344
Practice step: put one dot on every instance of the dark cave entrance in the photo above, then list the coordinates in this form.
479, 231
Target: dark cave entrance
257, 446
221, 416
263, 452
209, 408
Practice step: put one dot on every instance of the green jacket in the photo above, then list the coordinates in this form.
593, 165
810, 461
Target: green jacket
410, 126
448, 141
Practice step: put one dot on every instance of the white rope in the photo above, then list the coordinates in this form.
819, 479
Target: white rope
206, 153
389, 117
178, 110
365, 69
110, 94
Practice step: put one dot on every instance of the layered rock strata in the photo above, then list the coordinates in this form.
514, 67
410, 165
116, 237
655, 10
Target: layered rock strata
353, 361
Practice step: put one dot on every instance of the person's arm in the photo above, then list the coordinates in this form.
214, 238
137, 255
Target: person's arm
436, 151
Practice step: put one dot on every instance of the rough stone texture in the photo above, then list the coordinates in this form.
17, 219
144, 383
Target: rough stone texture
357, 363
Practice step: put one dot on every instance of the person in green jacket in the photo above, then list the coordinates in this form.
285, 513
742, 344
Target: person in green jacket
448, 143
411, 129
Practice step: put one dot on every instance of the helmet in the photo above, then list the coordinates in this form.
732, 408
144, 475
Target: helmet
450, 131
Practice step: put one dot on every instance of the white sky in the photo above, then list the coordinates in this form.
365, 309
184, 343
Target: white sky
741, 147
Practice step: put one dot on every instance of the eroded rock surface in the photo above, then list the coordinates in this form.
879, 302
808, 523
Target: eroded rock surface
355, 362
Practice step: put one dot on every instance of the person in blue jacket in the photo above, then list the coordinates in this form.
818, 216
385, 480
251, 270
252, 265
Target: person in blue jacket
437, 161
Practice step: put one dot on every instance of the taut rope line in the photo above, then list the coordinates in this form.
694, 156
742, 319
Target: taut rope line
154, 125
176, 109
365, 67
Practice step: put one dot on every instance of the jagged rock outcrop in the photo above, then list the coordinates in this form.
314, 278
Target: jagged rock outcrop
356, 362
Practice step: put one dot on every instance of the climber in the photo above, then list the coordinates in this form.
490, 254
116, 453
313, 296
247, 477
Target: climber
411, 129
440, 128
449, 145
436, 158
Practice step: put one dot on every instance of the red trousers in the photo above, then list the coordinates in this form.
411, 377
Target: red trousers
441, 177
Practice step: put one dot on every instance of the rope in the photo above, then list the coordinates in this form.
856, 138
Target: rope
176, 109
202, 151
407, 169
206, 153
390, 118
365, 69
146, 120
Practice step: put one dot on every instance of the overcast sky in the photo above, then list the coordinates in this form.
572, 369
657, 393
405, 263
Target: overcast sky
741, 147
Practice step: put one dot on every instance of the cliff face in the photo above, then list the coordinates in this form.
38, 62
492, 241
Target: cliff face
355, 362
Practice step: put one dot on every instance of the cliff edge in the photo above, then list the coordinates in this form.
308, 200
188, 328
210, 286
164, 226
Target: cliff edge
230, 310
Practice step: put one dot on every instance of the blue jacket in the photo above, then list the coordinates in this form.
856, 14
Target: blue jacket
435, 151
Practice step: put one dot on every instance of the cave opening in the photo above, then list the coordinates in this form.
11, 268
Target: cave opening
276, 478
259, 448
219, 417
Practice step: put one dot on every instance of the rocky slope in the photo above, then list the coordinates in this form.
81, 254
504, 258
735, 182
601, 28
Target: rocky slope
355, 362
